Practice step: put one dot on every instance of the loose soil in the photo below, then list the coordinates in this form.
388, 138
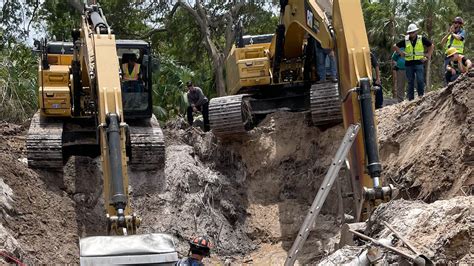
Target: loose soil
251, 194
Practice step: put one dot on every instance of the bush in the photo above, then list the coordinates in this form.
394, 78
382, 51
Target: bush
18, 78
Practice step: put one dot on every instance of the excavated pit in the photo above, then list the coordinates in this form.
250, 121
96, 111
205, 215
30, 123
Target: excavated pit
252, 194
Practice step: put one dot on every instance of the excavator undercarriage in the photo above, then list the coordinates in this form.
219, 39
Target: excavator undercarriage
233, 115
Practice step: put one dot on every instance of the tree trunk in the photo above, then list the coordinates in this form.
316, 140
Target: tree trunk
429, 29
218, 66
428, 76
216, 53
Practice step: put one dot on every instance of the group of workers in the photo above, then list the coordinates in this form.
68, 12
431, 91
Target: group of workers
414, 50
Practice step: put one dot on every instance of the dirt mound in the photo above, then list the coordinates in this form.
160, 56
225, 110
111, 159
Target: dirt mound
42, 213
251, 194
245, 195
426, 145
442, 231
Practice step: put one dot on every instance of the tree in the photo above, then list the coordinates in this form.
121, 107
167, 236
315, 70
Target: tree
16, 18
211, 19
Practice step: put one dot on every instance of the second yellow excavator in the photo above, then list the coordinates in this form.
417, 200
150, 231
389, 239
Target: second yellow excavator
275, 72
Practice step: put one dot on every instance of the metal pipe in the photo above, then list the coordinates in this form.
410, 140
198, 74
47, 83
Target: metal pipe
378, 243
401, 237
119, 199
369, 129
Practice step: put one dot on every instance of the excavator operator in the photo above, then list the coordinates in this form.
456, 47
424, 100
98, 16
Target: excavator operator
131, 74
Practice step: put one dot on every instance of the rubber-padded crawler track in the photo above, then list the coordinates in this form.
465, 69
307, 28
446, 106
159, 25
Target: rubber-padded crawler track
147, 145
44, 143
325, 104
226, 115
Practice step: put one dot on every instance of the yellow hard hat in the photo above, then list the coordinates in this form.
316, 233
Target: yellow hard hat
451, 51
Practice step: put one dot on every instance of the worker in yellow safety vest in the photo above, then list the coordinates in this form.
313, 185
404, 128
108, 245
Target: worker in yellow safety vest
415, 57
131, 69
455, 38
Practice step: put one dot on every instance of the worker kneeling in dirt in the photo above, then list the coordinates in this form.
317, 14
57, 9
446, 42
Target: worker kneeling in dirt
199, 248
458, 64
197, 102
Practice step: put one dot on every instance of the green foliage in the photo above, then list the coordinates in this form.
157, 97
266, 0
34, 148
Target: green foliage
257, 20
18, 74
126, 17
169, 91
60, 18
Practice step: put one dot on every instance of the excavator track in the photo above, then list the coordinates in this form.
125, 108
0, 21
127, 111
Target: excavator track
147, 145
325, 104
44, 143
227, 115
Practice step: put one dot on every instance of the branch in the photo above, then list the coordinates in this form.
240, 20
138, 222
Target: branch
153, 31
173, 10
229, 32
33, 15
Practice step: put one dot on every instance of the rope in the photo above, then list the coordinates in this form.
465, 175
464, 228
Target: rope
17, 261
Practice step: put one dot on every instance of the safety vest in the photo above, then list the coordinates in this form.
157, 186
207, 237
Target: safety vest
453, 42
133, 75
416, 53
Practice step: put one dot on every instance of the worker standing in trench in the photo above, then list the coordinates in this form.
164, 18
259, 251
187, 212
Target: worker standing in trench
199, 248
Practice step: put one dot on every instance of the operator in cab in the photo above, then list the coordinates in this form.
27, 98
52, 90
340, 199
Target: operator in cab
131, 74
197, 102
199, 248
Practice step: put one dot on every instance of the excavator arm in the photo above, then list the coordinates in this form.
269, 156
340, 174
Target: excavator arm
97, 55
348, 37
100, 69
356, 91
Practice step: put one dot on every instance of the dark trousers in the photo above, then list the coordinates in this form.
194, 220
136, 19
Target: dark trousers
415, 72
450, 77
379, 97
204, 109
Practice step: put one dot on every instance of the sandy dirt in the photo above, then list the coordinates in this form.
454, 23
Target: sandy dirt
427, 145
251, 194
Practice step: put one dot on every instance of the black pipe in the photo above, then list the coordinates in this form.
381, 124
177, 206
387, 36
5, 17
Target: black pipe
370, 132
283, 4
119, 199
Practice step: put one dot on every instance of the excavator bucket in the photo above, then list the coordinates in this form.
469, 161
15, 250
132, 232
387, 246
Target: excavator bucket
152, 249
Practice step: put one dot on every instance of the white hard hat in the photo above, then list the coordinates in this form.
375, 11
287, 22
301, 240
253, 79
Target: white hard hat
411, 28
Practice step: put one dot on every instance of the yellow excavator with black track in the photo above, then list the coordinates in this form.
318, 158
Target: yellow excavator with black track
87, 108
275, 72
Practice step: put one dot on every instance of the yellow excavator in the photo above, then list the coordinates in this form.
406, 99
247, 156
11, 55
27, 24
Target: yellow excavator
86, 108
275, 72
